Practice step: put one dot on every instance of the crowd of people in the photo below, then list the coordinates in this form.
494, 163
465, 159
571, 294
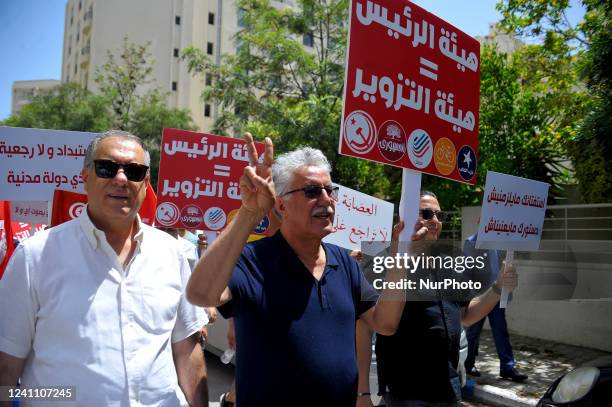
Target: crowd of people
117, 309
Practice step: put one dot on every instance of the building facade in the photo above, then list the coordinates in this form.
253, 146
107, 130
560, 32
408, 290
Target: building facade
23, 92
95, 27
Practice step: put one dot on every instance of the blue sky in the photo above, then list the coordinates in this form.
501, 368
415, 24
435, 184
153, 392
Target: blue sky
31, 35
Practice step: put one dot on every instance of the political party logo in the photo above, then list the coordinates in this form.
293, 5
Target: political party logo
75, 210
191, 216
214, 218
263, 226
420, 148
392, 140
466, 163
167, 214
359, 132
445, 156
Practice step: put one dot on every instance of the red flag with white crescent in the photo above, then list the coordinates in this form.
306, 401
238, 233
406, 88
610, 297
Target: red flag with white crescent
7, 246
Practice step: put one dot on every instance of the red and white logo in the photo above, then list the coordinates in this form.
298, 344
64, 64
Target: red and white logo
191, 216
359, 132
167, 214
75, 210
392, 140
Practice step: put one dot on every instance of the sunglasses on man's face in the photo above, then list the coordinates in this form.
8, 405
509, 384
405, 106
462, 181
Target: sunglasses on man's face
108, 169
315, 191
428, 214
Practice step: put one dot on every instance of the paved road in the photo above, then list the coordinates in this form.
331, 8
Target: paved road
220, 377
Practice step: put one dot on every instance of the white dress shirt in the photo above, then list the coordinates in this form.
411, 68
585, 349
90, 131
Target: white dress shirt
80, 318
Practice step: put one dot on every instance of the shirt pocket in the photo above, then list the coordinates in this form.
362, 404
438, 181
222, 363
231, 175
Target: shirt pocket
159, 306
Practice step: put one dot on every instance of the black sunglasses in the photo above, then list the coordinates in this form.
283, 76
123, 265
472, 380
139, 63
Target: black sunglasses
428, 214
315, 191
108, 169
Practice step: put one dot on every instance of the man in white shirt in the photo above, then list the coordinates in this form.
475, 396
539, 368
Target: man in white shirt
98, 303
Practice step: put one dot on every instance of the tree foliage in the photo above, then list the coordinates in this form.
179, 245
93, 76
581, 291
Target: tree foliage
584, 93
125, 101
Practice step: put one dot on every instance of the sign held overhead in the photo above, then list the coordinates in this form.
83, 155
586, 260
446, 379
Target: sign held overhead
412, 88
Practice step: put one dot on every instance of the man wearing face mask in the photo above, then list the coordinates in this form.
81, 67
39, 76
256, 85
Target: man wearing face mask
417, 366
294, 299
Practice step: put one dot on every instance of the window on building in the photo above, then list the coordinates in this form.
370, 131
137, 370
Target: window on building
206, 110
174, 86
211, 18
176, 52
177, 20
241, 13
209, 48
75, 68
69, 49
80, 5
308, 39
208, 80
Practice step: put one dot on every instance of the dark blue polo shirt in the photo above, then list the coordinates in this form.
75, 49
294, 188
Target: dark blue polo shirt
295, 335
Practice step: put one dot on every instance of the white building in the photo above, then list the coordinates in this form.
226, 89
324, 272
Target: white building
505, 42
24, 91
93, 27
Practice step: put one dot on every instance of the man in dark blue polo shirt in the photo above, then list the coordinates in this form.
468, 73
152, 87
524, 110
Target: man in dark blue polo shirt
417, 366
294, 299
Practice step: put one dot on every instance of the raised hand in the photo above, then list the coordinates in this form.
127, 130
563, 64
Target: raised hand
256, 185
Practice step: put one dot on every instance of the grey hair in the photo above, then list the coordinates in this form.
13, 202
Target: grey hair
91, 149
428, 193
287, 164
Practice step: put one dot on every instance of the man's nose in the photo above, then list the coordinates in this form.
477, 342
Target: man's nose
120, 177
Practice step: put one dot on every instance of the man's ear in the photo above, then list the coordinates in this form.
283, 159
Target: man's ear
280, 205
85, 176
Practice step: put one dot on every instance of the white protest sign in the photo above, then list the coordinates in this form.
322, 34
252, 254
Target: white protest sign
511, 217
512, 213
409, 204
33, 212
360, 218
35, 162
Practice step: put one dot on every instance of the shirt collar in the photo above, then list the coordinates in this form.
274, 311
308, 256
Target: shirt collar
331, 259
95, 235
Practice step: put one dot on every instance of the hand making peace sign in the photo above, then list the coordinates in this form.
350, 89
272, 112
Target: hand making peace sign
256, 185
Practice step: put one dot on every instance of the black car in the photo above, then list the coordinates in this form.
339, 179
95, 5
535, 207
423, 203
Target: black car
588, 385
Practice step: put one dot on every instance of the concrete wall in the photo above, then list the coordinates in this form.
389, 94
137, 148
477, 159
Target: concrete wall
564, 293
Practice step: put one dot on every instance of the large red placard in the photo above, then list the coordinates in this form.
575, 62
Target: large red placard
198, 183
412, 88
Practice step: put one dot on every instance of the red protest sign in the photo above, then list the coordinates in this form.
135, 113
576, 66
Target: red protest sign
412, 88
198, 183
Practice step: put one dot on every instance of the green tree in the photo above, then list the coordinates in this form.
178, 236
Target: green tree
275, 86
585, 49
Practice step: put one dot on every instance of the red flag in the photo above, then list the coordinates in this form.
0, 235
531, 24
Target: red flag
147, 210
5, 215
66, 206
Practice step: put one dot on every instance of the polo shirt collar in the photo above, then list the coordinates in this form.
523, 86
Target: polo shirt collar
95, 236
331, 261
